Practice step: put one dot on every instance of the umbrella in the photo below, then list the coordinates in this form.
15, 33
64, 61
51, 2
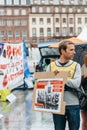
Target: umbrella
73, 39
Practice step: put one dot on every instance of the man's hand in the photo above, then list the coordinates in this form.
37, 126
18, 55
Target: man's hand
56, 72
85, 75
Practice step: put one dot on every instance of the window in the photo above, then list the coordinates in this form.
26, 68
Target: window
71, 31
40, 9
33, 31
17, 34
79, 30
9, 12
70, 9
51, 1
64, 20
79, 20
63, 9
9, 23
48, 31
16, 22
48, 9
2, 22
24, 35
23, 2
48, 21
16, 12
85, 9
79, 9
64, 31
2, 35
2, 2
57, 31
33, 9
41, 32
2, 12
56, 9
71, 20
23, 12
43, 1
9, 2
41, 21
85, 20
16, 2
23, 22
10, 34
57, 20
33, 20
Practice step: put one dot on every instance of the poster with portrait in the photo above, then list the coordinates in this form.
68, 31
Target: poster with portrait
48, 95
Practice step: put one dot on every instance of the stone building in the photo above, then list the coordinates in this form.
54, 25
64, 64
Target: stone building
42, 20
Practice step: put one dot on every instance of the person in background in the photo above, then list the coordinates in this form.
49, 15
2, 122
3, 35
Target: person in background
65, 63
47, 62
84, 84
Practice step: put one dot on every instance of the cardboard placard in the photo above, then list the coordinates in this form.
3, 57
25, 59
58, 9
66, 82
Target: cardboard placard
49, 91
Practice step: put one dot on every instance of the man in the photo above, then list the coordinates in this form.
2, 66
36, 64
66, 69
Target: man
65, 63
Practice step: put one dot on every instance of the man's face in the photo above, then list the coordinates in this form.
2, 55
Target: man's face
69, 53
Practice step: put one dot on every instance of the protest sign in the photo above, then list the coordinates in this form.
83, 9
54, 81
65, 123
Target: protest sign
49, 92
11, 65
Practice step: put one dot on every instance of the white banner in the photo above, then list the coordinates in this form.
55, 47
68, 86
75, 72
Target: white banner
11, 65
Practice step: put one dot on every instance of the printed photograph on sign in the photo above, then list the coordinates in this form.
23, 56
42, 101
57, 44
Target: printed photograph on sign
48, 94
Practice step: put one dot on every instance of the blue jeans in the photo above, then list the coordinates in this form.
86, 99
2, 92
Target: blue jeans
72, 115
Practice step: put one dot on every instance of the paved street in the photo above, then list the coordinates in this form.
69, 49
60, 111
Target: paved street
19, 116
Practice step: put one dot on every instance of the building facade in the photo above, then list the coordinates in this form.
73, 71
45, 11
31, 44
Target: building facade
42, 20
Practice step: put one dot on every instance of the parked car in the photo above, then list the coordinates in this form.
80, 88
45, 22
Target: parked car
47, 55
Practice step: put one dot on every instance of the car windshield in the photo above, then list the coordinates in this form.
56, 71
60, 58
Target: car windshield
49, 51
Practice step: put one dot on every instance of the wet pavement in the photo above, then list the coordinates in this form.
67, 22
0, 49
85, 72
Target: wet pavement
19, 115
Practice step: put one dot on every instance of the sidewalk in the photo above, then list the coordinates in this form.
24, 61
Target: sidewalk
19, 115
43, 121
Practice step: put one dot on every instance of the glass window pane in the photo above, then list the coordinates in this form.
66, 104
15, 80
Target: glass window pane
2, 2
48, 31
2, 12
56, 9
48, 9
24, 35
9, 2
16, 12
85, 9
23, 22
16, 2
2, 22
33, 9
33, 31
70, 9
33, 20
23, 2
17, 22
40, 9
10, 34
17, 34
23, 12
9, 23
9, 12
